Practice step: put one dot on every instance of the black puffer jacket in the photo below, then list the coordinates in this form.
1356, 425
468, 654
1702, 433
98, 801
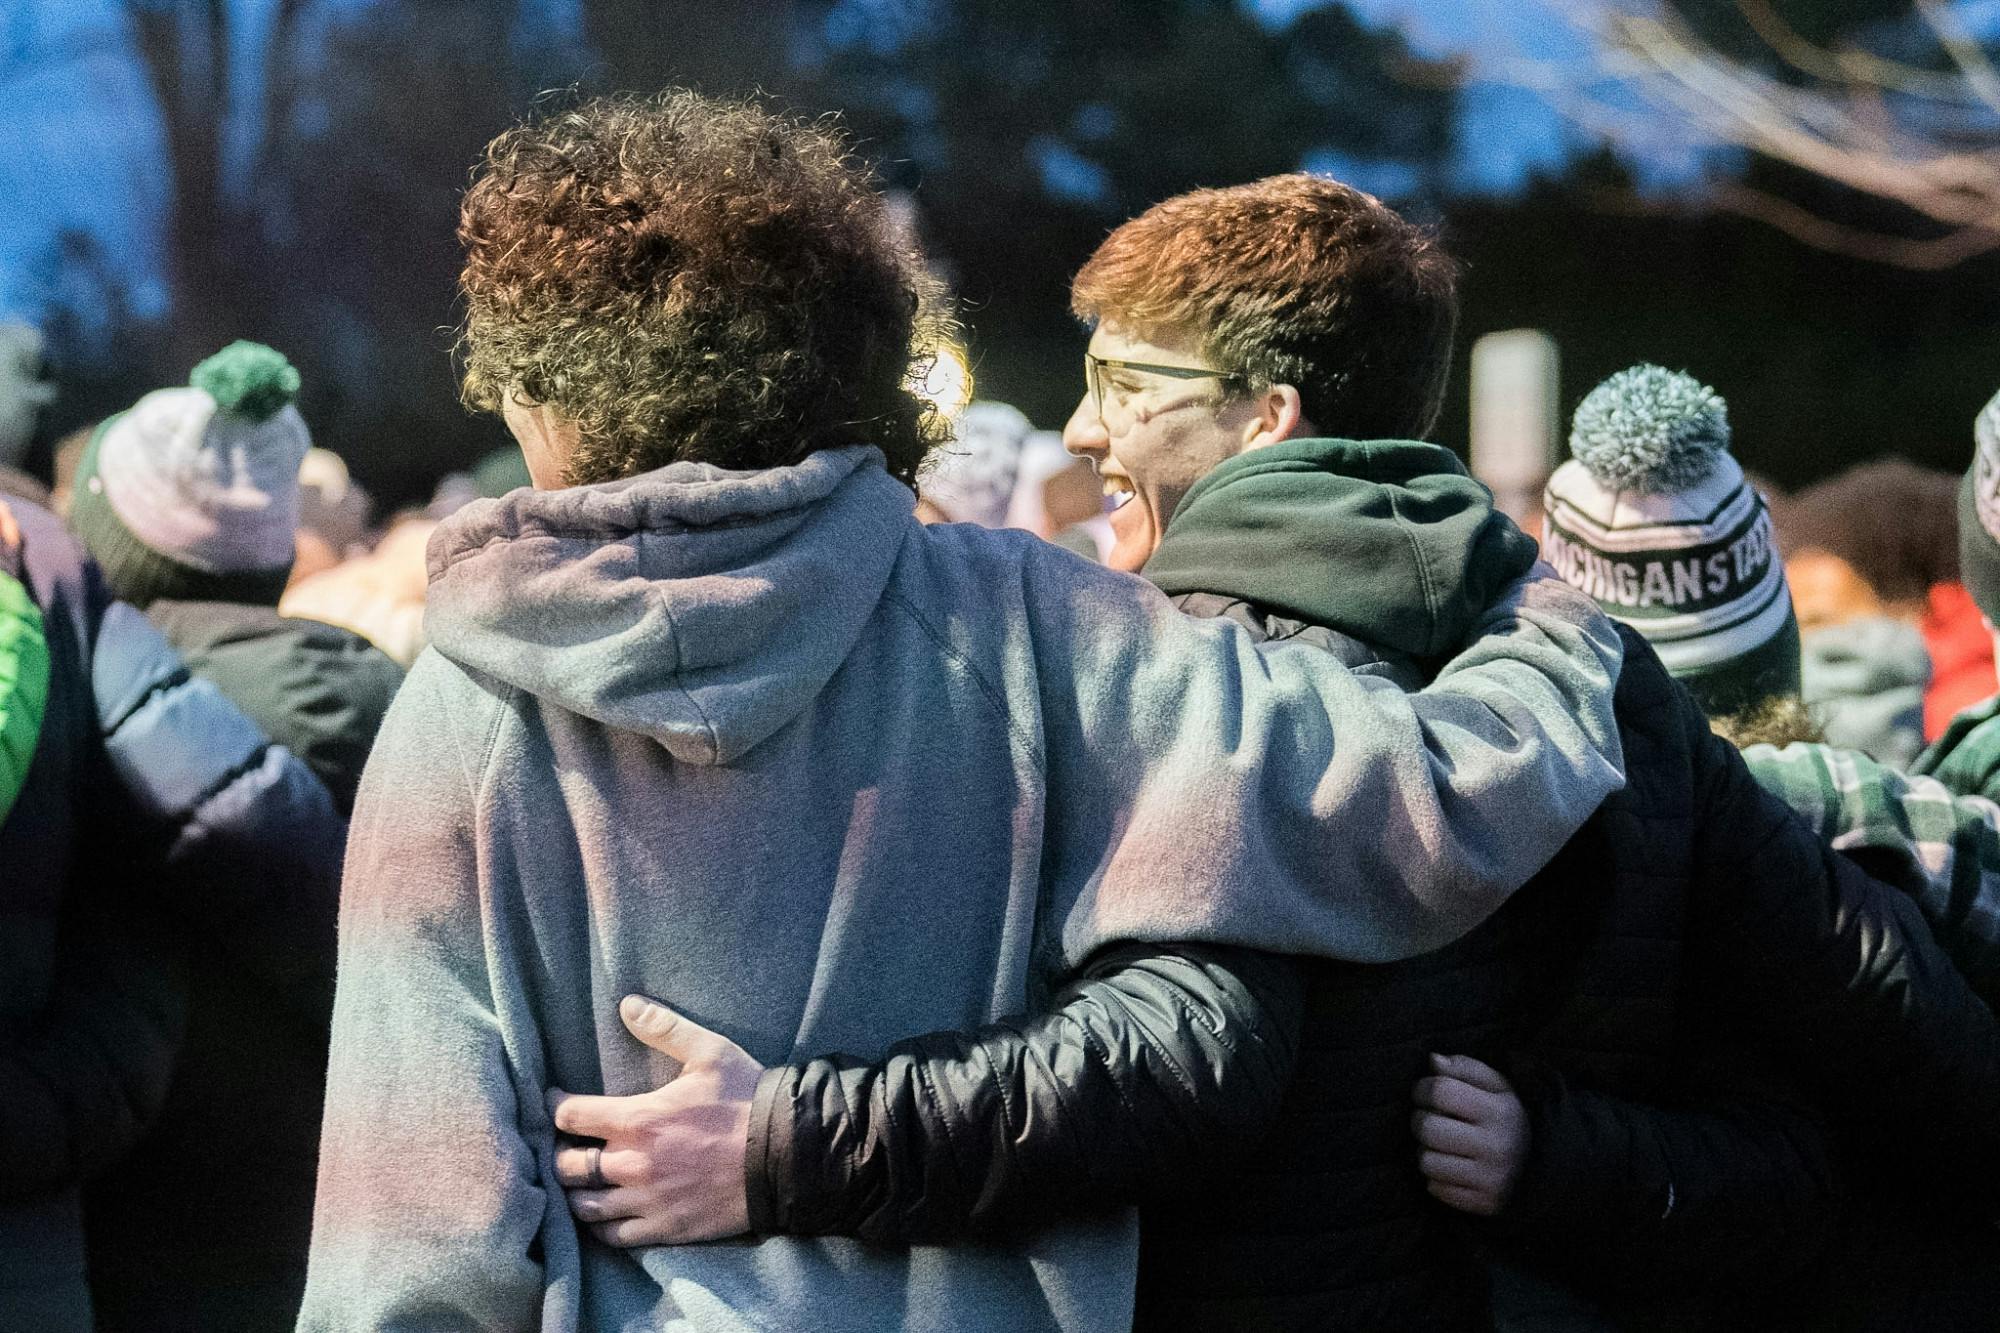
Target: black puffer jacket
1694, 903
317, 689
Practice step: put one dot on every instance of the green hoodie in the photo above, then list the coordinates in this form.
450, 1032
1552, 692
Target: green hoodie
1384, 515
24, 686
1967, 757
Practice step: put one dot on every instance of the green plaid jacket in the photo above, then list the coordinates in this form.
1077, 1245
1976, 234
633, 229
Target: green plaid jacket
1910, 830
1967, 757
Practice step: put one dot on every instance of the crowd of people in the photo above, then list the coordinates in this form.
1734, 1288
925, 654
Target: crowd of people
771, 853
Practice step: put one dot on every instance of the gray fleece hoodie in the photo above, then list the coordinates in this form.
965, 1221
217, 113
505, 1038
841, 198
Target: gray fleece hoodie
818, 777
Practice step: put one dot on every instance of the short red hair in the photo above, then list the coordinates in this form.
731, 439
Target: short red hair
1293, 280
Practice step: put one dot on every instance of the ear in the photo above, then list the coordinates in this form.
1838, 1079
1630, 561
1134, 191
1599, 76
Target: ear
1277, 415
547, 439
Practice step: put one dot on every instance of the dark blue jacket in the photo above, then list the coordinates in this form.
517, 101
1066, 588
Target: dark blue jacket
156, 818
234, 1153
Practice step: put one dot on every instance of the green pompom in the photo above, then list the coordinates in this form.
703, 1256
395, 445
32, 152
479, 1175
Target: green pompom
248, 378
1650, 429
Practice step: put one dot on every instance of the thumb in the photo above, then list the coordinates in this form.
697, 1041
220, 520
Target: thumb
666, 1031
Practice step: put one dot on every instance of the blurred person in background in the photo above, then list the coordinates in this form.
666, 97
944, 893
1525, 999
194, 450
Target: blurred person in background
191, 503
1966, 757
1893, 647
378, 595
333, 515
1645, 1012
972, 479
1654, 518
157, 823
68, 454
23, 393
1058, 497
694, 706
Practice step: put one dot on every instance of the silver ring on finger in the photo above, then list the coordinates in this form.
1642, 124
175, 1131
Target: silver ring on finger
593, 1173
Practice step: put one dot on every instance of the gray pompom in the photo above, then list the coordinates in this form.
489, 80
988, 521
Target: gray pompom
1650, 429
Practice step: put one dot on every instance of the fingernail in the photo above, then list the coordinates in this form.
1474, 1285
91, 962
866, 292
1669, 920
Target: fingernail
632, 1008
1440, 1062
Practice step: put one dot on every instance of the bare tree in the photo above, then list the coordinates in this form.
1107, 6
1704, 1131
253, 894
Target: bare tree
186, 49
1923, 136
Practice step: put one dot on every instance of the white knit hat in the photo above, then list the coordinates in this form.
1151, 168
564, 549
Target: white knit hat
1654, 519
204, 478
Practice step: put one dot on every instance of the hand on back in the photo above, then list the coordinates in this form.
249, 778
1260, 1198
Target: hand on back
669, 1169
1473, 1134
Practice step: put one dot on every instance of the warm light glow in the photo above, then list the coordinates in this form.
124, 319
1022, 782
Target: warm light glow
946, 381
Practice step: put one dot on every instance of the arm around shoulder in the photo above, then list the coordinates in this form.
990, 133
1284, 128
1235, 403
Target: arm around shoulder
1276, 800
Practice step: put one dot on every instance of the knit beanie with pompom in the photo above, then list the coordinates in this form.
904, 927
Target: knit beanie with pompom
1653, 518
193, 494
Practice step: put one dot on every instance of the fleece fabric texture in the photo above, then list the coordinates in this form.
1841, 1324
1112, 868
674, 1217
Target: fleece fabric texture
1422, 552
764, 747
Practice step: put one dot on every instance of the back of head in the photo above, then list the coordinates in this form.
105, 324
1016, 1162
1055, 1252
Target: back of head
1653, 518
1293, 280
1894, 524
691, 279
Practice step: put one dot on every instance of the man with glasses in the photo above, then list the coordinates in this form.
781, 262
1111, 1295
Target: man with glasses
1263, 361
709, 715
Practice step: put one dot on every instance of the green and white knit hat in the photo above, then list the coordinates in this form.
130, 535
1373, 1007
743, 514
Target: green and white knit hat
1653, 518
194, 493
1979, 514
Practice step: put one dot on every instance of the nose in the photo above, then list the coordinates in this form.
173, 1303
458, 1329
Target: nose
1083, 434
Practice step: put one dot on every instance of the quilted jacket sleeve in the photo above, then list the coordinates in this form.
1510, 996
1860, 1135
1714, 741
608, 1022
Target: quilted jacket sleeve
245, 844
1727, 1189
1149, 1066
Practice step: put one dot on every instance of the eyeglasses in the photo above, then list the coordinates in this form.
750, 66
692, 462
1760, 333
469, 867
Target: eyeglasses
1094, 367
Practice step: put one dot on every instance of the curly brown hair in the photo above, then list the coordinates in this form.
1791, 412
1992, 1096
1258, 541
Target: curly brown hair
692, 279
1894, 522
1293, 280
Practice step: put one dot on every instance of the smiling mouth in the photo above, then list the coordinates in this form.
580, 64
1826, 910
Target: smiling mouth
1118, 490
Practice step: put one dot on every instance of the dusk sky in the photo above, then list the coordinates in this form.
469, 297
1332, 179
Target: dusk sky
79, 144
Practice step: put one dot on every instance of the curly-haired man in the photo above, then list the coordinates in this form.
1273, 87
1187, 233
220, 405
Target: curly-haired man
709, 716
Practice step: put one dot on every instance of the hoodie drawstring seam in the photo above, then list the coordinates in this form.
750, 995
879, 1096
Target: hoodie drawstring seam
992, 696
674, 671
1424, 577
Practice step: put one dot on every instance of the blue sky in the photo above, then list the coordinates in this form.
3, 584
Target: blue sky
79, 135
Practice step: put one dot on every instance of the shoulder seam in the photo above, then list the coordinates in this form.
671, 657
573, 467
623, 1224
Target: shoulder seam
986, 687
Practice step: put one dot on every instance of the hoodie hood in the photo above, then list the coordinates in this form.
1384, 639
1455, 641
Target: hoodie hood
701, 607
1390, 541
